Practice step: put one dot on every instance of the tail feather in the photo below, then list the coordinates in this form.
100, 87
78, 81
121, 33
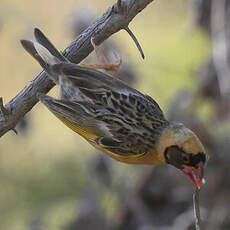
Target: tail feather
44, 41
44, 52
41, 54
30, 48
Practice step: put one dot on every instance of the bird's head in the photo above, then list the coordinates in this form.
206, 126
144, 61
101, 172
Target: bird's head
182, 148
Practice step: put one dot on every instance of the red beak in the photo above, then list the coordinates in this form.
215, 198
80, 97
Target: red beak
196, 175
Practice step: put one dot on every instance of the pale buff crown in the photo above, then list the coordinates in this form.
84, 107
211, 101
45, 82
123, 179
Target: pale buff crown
176, 134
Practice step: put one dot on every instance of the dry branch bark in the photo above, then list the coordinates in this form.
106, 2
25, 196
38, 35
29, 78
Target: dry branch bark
115, 19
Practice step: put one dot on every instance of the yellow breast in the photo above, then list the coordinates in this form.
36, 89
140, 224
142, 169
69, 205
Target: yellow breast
150, 158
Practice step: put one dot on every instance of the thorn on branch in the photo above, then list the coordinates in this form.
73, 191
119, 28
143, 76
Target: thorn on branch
197, 209
15, 131
135, 41
119, 5
2, 108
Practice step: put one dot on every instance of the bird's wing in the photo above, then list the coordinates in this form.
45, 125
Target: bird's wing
104, 110
123, 120
78, 116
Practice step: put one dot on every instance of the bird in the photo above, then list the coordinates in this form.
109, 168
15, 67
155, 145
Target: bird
115, 118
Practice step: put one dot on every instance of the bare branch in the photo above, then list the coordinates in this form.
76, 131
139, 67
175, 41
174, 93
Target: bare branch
109, 23
220, 45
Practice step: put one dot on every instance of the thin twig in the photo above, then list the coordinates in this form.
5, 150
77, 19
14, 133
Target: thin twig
196, 206
135, 41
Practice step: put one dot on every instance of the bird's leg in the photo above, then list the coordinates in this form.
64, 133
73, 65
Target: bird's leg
104, 63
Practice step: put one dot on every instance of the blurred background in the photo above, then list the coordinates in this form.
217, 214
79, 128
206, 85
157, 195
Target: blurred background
50, 178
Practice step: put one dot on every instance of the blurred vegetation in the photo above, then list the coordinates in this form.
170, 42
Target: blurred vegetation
50, 178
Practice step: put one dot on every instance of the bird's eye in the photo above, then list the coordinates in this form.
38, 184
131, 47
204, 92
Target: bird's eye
186, 158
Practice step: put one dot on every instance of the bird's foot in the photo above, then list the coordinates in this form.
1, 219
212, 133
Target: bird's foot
104, 63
